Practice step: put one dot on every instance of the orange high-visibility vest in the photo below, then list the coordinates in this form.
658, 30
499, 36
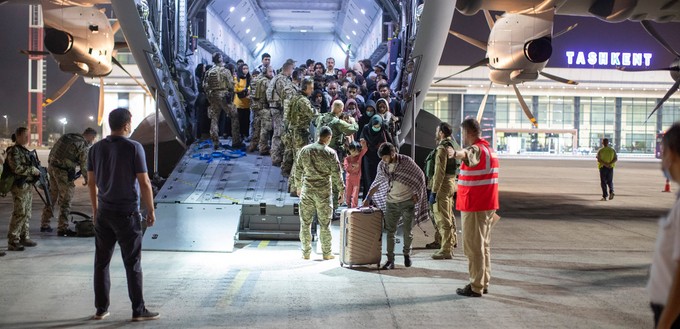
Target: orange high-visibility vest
478, 185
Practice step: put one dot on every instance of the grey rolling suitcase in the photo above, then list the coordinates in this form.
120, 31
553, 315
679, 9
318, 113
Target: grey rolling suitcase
361, 236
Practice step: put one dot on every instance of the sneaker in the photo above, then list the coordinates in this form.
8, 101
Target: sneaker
442, 255
389, 265
407, 261
66, 232
603, 199
611, 196
28, 243
146, 315
46, 229
485, 291
2, 253
467, 292
328, 257
433, 245
101, 316
15, 246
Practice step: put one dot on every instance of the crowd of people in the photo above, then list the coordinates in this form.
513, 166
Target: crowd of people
333, 134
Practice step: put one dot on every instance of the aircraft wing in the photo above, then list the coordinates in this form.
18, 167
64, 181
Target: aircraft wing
607, 10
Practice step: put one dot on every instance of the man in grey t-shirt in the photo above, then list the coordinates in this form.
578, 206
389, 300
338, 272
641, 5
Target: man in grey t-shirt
117, 165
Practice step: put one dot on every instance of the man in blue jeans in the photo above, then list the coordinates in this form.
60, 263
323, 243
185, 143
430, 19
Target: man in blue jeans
118, 167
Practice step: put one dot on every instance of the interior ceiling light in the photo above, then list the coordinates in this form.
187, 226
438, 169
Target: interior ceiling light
247, 31
303, 31
243, 18
354, 32
356, 21
253, 39
363, 12
231, 9
347, 36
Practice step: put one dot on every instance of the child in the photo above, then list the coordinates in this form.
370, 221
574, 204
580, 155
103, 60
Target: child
353, 170
664, 277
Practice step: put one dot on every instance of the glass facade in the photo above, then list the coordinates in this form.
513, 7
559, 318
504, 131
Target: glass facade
590, 118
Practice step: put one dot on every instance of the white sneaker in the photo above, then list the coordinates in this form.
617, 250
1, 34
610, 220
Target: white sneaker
101, 316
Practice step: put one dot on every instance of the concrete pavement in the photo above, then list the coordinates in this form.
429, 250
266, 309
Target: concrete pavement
560, 259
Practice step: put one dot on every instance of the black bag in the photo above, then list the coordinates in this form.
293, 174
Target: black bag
85, 228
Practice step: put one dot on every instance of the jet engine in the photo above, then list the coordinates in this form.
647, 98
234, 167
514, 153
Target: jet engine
82, 45
538, 50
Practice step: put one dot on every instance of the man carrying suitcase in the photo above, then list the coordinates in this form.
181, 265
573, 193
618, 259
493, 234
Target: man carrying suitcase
399, 190
316, 171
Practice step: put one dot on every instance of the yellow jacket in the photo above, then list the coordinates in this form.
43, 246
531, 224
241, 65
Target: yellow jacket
241, 103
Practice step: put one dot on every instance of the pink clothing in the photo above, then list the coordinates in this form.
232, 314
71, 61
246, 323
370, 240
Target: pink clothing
353, 178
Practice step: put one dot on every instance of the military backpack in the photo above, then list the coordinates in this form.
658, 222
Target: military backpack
6, 177
216, 79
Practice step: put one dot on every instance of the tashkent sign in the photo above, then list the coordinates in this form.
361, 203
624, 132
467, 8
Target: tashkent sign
606, 58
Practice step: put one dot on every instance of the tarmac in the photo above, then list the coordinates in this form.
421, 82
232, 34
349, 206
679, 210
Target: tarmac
560, 259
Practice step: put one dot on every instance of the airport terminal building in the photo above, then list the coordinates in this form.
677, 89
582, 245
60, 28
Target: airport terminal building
607, 103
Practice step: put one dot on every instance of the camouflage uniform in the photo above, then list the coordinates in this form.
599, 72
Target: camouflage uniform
279, 91
262, 122
19, 161
69, 152
317, 169
218, 92
298, 118
340, 128
444, 186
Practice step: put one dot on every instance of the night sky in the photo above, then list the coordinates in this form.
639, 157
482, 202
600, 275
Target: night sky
81, 101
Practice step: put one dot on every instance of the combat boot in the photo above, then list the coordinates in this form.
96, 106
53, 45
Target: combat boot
328, 257
442, 255
28, 243
15, 246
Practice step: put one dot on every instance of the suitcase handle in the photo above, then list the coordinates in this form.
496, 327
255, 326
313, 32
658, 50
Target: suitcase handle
366, 210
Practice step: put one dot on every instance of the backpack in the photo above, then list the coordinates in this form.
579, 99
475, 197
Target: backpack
215, 79
6, 177
85, 228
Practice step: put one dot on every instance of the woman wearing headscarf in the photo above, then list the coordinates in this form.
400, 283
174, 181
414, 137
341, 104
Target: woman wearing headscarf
383, 108
242, 99
366, 117
375, 134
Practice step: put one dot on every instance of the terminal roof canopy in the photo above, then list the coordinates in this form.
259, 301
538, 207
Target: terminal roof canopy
256, 22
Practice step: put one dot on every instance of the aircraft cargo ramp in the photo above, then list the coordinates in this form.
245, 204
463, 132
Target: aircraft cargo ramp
213, 198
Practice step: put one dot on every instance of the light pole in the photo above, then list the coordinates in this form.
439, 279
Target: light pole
6, 124
63, 126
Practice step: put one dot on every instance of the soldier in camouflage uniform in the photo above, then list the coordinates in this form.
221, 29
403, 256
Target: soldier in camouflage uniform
262, 122
218, 84
286, 133
340, 128
18, 158
69, 152
298, 118
279, 91
316, 170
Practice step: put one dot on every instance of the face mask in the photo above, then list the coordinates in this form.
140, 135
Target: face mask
375, 129
369, 113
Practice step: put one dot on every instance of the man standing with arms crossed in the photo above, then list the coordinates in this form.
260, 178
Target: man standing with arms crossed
316, 171
606, 161
116, 170
477, 201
